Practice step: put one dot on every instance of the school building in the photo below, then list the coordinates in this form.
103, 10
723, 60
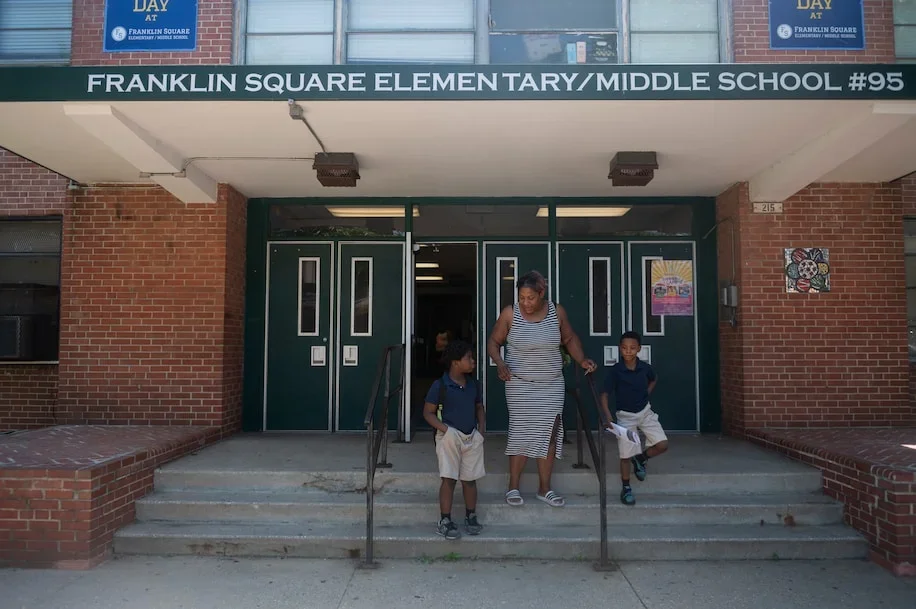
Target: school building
218, 215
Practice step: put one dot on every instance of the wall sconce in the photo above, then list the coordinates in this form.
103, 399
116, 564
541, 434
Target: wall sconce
336, 168
632, 168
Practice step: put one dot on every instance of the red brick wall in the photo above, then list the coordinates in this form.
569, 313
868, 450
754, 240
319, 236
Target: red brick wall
872, 474
731, 358
234, 318
752, 38
67, 516
214, 37
151, 311
833, 359
28, 394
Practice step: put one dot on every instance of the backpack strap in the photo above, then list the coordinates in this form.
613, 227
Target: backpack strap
440, 403
443, 389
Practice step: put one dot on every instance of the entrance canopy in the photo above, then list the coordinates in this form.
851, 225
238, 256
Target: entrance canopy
475, 131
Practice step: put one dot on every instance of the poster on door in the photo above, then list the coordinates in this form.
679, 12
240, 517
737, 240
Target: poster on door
672, 287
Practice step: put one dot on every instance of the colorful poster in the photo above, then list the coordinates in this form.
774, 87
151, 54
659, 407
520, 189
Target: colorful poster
807, 270
672, 287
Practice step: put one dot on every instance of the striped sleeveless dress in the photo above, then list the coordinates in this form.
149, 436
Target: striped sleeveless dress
537, 390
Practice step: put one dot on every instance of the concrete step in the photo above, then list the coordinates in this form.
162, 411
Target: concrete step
627, 542
403, 509
568, 483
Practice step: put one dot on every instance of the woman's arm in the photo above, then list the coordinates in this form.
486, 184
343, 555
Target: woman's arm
497, 339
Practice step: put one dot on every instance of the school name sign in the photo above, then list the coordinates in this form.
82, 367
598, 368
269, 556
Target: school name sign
836, 81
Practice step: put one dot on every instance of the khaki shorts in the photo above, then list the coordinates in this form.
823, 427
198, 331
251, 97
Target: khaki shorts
460, 456
645, 421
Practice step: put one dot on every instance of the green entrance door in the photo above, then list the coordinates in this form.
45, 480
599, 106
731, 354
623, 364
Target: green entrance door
503, 264
590, 287
371, 314
298, 394
662, 307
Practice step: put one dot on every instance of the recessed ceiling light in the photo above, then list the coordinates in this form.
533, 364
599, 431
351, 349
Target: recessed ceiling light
427, 265
370, 212
430, 278
585, 212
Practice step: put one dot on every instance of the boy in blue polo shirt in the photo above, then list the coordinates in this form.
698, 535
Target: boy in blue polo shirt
454, 408
630, 381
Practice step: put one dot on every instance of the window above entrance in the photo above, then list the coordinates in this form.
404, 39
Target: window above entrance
479, 221
638, 220
335, 221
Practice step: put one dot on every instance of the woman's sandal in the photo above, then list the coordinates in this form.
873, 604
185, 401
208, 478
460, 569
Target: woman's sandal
513, 497
552, 499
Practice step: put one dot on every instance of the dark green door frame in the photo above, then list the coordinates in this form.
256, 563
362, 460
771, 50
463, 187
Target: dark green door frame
706, 273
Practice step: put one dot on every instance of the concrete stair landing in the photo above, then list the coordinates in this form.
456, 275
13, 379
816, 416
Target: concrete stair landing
709, 498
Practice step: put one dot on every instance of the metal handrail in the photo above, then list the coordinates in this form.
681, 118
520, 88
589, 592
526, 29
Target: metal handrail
599, 458
377, 436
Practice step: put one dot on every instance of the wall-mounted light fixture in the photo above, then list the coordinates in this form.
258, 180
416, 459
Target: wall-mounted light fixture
633, 168
336, 168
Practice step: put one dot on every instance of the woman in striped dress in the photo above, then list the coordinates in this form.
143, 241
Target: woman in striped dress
533, 331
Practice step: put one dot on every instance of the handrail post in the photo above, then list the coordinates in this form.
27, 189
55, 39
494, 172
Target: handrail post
580, 425
403, 407
369, 562
603, 563
580, 464
383, 429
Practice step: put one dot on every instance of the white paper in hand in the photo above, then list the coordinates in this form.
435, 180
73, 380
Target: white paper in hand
628, 435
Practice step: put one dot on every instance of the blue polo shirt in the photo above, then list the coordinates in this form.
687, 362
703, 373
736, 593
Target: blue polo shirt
630, 388
460, 407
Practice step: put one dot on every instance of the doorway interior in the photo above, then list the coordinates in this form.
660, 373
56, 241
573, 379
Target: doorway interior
445, 308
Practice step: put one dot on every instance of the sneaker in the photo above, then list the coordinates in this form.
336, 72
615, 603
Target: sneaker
472, 526
639, 469
448, 529
626, 496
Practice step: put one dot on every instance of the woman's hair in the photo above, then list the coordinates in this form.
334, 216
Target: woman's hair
532, 280
455, 351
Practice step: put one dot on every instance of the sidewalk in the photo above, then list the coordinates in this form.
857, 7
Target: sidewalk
222, 583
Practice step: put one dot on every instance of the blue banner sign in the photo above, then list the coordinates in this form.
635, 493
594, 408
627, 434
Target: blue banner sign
150, 25
817, 24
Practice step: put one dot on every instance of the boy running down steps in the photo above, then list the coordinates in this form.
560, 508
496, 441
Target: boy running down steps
454, 408
630, 381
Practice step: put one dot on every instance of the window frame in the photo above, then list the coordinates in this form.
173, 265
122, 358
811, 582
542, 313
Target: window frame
347, 30
910, 28
480, 32
910, 323
241, 52
58, 255
36, 61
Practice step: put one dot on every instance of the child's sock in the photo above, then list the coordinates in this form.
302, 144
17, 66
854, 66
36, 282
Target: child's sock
468, 513
642, 458
444, 516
